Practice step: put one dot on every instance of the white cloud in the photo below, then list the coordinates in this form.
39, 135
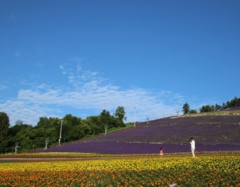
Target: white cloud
28, 113
37, 103
89, 92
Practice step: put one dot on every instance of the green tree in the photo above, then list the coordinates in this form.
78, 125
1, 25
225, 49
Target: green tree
25, 137
217, 107
17, 128
71, 120
52, 134
224, 105
97, 125
19, 122
39, 135
206, 108
192, 111
43, 122
106, 118
116, 122
186, 108
84, 128
120, 113
4, 128
234, 102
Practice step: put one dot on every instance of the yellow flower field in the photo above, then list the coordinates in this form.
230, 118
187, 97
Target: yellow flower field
183, 171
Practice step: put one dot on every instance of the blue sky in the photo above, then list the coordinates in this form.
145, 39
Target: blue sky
80, 57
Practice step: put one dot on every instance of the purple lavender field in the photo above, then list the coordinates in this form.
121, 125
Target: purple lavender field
211, 133
232, 109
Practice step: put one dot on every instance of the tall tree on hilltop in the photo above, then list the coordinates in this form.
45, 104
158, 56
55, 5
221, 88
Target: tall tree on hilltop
120, 113
186, 108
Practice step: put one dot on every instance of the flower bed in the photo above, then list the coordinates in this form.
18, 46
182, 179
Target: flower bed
212, 133
183, 171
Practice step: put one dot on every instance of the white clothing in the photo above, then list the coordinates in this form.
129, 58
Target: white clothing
193, 154
193, 147
192, 144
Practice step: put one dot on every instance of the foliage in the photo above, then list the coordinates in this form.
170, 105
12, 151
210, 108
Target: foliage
186, 108
235, 102
120, 113
4, 127
73, 128
192, 111
105, 116
206, 108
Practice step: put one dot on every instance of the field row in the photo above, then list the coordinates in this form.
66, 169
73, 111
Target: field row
183, 171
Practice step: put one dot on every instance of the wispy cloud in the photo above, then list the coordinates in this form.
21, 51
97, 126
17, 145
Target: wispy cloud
89, 91
28, 113
3, 87
62, 68
76, 76
77, 60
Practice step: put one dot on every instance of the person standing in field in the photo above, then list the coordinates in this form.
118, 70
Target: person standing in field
161, 152
192, 142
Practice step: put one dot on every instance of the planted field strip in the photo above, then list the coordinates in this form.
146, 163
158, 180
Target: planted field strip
183, 171
212, 133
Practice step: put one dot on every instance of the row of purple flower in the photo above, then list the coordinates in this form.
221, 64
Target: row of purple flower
212, 133
134, 148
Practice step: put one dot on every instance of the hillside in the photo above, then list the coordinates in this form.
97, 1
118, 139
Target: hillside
218, 131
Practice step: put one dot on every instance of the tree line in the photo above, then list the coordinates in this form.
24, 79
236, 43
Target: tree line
48, 129
209, 108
